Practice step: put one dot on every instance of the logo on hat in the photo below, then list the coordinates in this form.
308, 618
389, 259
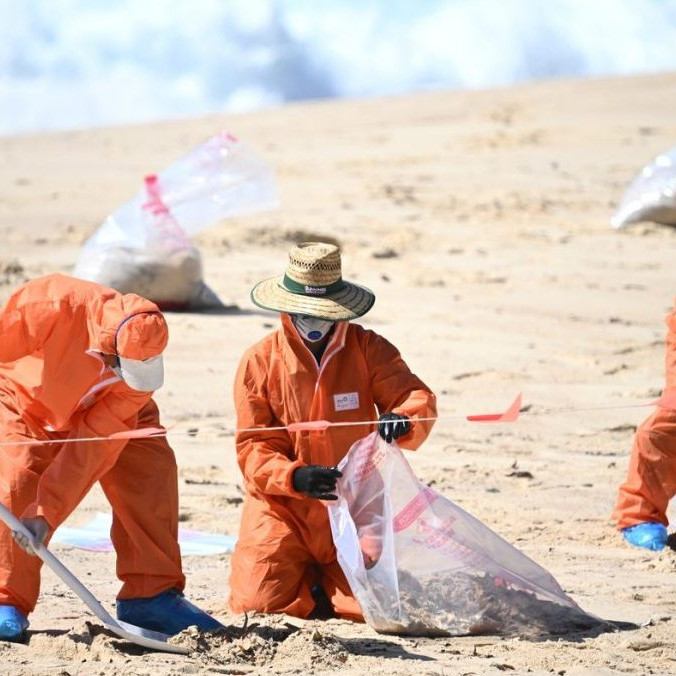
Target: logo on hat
315, 290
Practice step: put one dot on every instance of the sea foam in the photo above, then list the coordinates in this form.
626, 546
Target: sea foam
78, 63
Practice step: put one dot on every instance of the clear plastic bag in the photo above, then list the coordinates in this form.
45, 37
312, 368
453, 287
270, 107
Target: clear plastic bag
651, 196
420, 565
144, 246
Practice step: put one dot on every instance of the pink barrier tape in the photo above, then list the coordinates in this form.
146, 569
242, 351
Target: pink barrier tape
309, 425
667, 400
512, 414
140, 433
116, 436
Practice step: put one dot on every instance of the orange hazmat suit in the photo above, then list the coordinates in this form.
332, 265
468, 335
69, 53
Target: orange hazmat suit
651, 480
55, 386
285, 544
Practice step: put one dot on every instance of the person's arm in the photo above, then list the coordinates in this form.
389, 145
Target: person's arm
397, 390
266, 457
670, 355
79, 465
24, 330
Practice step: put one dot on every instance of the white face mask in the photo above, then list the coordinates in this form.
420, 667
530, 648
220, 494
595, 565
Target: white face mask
311, 329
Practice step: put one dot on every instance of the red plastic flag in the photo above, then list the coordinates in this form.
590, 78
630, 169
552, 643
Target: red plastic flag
510, 415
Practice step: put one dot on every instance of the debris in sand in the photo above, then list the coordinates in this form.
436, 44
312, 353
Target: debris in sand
520, 474
312, 648
87, 641
12, 273
643, 644
388, 252
457, 603
265, 640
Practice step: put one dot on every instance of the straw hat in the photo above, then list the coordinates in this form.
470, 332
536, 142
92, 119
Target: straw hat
313, 286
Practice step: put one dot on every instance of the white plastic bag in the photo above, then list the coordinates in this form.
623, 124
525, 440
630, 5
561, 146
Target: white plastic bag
143, 247
420, 565
651, 195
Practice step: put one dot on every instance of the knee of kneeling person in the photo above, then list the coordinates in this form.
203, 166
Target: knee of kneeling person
252, 600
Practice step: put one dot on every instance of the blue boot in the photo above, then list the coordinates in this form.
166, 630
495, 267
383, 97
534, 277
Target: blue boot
648, 535
13, 624
167, 612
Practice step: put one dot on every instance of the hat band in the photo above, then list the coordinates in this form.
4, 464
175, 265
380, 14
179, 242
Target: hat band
306, 290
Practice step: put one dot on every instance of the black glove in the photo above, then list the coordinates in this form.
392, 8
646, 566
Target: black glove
392, 426
316, 481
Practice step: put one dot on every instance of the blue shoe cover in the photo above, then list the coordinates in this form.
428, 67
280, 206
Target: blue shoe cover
167, 612
13, 624
648, 535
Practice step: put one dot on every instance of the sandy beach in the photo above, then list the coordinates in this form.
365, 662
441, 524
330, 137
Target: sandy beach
480, 220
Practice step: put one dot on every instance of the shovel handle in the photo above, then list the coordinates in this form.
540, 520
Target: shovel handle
40, 550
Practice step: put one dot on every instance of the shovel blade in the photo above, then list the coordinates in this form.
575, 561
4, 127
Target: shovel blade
147, 638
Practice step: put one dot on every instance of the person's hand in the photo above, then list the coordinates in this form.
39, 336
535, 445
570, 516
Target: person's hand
316, 481
38, 527
369, 561
392, 426
371, 551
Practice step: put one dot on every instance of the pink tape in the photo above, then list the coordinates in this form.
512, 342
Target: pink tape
154, 203
308, 425
667, 400
138, 434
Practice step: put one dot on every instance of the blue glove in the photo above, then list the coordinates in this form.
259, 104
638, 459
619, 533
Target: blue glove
649, 535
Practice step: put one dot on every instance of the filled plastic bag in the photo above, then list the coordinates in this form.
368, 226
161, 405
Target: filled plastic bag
144, 246
652, 194
420, 565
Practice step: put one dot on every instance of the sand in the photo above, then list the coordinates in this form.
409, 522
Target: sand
480, 219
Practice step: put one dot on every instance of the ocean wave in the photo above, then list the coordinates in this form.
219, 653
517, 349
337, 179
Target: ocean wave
80, 63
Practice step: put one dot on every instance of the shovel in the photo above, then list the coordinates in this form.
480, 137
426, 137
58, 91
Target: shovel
147, 638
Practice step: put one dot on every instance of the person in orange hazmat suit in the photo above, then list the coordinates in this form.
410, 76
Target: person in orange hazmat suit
641, 509
316, 366
80, 360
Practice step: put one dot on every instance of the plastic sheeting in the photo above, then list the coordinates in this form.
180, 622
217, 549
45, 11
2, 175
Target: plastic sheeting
418, 564
95, 537
144, 246
652, 194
